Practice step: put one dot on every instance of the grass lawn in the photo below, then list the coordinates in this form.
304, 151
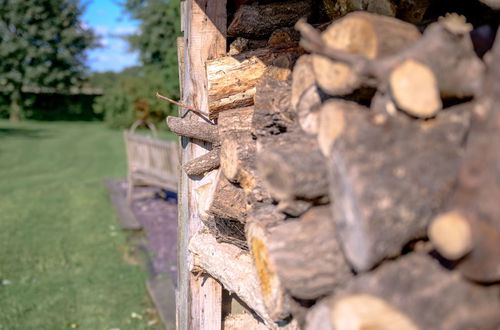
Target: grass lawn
62, 257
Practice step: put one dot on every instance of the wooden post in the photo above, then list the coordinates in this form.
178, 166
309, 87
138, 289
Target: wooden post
204, 25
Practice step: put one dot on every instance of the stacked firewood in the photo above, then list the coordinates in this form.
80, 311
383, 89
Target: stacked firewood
357, 167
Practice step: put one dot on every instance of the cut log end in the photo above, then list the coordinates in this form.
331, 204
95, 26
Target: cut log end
366, 312
451, 234
334, 78
203, 164
231, 166
415, 89
331, 125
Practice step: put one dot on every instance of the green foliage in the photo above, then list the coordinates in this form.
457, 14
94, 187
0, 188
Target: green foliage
130, 95
157, 40
62, 254
42, 44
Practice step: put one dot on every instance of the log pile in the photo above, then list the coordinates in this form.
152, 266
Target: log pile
354, 176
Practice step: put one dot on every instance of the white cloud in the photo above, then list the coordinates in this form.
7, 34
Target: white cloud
101, 30
126, 29
111, 59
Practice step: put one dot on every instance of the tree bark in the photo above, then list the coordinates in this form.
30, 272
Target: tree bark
445, 48
308, 260
232, 79
273, 114
203, 164
475, 199
224, 200
237, 146
397, 296
193, 129
411, 167
411, 11
15, 107
260, 20
296, 169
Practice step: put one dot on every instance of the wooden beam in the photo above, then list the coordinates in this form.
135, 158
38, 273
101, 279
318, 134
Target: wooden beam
199, 298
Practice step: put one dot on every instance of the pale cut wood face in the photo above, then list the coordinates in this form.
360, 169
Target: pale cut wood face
415, 89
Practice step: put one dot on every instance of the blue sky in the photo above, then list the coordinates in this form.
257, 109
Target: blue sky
109, 21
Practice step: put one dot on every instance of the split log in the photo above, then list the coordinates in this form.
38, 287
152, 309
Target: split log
412, 11
223, 200
232, 79
273, 120
237, 145
364, 34
409, 166
307, 257
232, 267
295, 171
285, 37
381, 7
445, 49
193, 129
240, 45
306, 97
412, 293
338, 8
471, 228
203, 164
273, 114
276, 300
260, 20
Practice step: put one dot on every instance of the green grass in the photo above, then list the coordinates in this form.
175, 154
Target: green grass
61, 253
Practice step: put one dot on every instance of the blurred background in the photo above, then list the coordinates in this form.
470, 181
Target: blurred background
88, 60
73, 75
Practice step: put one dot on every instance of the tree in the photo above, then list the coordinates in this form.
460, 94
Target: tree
156, 40
42, 44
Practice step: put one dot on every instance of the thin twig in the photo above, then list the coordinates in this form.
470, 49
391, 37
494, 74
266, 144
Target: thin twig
182, 105
201, 114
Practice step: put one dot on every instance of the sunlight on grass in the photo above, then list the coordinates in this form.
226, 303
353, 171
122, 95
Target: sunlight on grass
60, 260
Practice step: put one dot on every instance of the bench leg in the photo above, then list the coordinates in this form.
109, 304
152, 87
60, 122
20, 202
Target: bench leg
130, 187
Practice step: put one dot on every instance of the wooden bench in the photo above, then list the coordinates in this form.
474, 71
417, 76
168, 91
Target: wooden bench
151, 161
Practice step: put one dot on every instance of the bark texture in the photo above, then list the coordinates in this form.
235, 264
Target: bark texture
396, 296
309, 262
478, 190
389, 175
203, 164
232, 79
260, 20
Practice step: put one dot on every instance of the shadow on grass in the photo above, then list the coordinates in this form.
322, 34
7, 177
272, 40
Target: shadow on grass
23, 132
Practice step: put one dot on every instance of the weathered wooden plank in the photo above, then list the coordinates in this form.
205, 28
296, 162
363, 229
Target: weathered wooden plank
204, 24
